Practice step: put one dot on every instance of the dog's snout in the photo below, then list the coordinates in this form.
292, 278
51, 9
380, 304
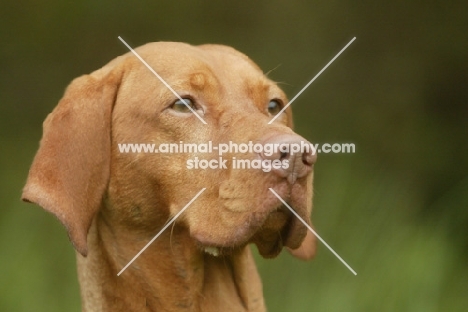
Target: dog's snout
296, 154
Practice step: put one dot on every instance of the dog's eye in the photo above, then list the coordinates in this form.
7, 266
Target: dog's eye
274, 107
181, 107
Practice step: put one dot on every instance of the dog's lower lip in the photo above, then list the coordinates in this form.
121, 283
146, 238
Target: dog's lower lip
216, 250
212, 247
263, 225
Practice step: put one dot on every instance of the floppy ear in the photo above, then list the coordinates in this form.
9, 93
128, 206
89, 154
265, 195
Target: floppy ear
70, 171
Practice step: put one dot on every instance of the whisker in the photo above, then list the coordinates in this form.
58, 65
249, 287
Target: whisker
273, 69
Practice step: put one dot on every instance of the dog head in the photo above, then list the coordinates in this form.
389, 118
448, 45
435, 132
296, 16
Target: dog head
80, 167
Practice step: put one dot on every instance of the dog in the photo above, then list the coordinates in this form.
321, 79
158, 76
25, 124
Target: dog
113, 203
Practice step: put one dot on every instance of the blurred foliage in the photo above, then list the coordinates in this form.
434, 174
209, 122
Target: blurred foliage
396, 210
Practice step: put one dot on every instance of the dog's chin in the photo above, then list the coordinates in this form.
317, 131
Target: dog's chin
280, 228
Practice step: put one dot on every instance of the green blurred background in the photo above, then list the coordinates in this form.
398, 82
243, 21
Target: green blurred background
396, 210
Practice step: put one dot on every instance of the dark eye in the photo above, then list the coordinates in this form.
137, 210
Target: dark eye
180, 106
274, 107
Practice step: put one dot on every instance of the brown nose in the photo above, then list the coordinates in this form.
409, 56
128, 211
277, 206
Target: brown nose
292, 150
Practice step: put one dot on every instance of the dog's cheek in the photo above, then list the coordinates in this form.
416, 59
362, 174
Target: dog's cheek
133, 199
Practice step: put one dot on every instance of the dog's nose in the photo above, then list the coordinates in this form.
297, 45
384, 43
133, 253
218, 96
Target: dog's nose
296, 155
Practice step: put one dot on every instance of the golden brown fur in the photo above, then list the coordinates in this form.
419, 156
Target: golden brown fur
113, 203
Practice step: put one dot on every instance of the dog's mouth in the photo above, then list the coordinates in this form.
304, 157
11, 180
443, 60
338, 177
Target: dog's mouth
272, 234
280, 228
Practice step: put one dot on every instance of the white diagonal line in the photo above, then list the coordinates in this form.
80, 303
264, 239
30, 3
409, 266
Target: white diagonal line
313, 79
315, 233
165, 227
162, 80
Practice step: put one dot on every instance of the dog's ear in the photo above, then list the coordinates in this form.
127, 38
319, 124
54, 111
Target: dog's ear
307, 249
70, 171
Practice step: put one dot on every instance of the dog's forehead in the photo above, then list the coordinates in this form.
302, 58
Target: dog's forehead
196, 63
218, 75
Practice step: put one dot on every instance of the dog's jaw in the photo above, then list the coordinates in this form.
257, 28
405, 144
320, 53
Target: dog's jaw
270, 225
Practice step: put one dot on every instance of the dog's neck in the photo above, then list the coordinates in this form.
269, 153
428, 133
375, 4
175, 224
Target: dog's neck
171, 275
